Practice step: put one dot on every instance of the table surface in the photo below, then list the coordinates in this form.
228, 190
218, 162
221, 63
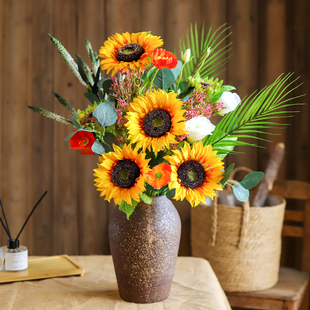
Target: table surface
194, 286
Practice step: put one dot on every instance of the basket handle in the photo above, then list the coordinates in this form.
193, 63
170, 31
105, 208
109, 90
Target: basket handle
245, 215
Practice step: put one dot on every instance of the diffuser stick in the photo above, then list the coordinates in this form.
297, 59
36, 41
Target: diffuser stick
6, 222
30, 214
4, 227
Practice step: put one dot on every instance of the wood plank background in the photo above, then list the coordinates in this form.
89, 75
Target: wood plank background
270, 37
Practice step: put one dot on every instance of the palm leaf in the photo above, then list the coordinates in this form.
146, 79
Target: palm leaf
209, 56
255, 115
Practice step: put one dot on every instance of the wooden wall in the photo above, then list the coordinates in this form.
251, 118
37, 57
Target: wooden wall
270, 37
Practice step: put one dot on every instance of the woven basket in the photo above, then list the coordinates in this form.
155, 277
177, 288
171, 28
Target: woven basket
242, 243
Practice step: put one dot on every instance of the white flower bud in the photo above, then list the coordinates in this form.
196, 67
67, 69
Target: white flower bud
230, 101
186, 56
198, 127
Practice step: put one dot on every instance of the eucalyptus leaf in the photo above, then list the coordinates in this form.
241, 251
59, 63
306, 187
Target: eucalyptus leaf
252, 179
105, 114
228, 172
127, 208
147, 199
98, 148
166, 77
240, 192
91, 97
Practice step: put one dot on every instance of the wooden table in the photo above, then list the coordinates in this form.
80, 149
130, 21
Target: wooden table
194, 286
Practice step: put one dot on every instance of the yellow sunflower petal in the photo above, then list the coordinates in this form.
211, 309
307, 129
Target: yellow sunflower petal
111, 46
142, 106
212, 166
103, 174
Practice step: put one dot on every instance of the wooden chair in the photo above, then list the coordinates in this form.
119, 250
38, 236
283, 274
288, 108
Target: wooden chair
290, 290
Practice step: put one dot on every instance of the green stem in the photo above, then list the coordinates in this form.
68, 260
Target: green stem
181, 73
154, 77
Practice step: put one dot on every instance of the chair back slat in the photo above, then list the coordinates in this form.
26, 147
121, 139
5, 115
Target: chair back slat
292, 231
294, 216
299, 190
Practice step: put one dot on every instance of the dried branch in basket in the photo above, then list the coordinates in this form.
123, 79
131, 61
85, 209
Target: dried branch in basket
270, 175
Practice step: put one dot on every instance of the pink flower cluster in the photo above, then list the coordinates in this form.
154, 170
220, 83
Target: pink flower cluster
125, 88
198, 105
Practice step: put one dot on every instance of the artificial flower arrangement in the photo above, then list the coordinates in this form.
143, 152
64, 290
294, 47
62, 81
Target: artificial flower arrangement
151, 121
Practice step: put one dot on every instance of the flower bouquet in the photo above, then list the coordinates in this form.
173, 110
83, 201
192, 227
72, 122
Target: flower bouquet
151, 125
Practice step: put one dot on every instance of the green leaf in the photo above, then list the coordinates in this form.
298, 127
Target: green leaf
171, 194
105, 114
93, 57
98, 148
262, 110
73, 133
127, 208
109, 139
75, 123
205, 62
240, 192
105, 84
147, 199
228, 172
252, 179
226, 146
166, 77
67, 106
80, 63
148, 76
91, 97
155, 160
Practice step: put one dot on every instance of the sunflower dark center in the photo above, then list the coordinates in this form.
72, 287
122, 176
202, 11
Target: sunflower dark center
130, 52
192, 174
157, 123
88, 118
125, 173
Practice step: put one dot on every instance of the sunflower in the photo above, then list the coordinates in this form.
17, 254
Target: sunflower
121, 174
155, 119
124, 51
195, 173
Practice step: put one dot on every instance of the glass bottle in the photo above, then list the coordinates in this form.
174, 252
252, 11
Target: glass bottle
13, 257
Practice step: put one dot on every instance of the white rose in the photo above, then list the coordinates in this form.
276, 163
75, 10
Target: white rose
198, 127
230, 101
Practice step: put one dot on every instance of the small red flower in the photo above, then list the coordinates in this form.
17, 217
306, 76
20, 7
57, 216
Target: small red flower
164, 59
159, 176
83, 140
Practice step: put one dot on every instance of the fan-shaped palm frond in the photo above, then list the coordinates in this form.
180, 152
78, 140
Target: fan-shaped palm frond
209, 54
256, 113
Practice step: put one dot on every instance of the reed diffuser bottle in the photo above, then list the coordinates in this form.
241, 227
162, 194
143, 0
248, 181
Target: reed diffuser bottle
14, 257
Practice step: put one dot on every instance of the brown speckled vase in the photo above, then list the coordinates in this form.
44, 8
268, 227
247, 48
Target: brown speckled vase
144, 250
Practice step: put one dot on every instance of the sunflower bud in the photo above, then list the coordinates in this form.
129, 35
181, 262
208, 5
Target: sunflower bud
186, 56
